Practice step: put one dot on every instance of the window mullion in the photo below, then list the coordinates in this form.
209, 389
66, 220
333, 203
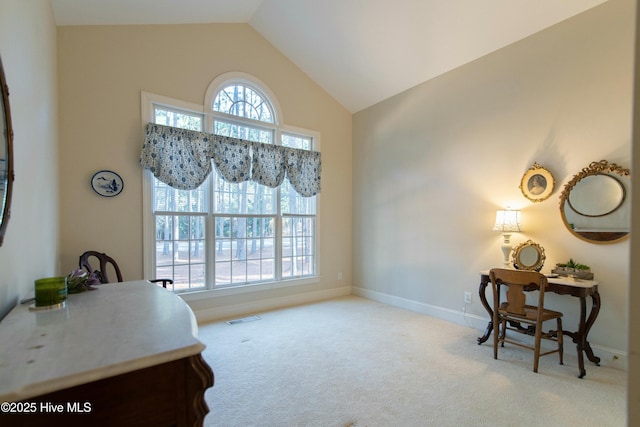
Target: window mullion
210, 264
278, 222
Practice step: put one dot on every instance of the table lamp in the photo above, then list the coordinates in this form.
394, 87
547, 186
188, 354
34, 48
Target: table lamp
507, 222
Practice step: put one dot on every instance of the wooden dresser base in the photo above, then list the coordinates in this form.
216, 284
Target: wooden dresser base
169, 394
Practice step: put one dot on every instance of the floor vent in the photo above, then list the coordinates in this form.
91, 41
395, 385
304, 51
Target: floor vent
243, 320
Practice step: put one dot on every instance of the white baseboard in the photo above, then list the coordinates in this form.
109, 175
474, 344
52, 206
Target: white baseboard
217, 313
608, 356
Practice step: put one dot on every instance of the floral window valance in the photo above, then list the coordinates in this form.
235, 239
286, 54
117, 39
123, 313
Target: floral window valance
181, 158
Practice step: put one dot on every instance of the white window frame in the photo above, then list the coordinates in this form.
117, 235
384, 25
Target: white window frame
148, 100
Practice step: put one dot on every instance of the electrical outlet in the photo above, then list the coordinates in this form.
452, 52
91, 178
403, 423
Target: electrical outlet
340, 275
467, 297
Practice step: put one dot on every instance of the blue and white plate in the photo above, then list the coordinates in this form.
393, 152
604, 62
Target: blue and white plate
107, 183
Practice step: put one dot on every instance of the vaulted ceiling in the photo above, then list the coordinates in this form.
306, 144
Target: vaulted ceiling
360, 51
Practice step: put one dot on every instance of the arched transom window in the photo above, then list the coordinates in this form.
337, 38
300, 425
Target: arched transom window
238, 99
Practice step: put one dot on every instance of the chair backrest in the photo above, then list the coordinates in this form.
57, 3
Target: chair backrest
517, 282
105, 263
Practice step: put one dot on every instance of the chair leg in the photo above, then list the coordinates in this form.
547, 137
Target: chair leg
536, 353
496, 332
503, 333
560, 341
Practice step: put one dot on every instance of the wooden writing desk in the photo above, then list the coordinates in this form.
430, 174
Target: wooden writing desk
563, 286
124, 354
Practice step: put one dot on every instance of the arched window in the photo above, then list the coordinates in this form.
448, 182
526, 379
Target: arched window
238, 99
223, 234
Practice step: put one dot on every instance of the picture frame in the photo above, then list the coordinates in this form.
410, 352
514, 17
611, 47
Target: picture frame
537, 183
107, 183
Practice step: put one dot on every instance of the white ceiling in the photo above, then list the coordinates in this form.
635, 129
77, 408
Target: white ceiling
359, 51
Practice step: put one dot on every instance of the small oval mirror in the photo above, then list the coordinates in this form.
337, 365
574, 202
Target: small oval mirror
528, 256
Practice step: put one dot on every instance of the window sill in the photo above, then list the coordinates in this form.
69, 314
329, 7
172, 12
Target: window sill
243, 289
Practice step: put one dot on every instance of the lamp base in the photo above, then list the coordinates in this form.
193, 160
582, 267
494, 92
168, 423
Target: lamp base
506, 248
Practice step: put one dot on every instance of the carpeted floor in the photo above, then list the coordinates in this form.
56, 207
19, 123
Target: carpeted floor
356, 362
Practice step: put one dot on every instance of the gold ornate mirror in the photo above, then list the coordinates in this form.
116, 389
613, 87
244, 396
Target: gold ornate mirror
594, 205
6, 156
528, 256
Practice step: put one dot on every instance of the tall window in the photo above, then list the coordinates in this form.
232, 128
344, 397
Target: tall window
223, 234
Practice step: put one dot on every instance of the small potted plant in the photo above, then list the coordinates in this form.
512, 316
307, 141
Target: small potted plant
562, 269
573, 269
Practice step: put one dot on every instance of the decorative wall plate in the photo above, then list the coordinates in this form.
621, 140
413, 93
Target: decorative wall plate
537, 183
107, 183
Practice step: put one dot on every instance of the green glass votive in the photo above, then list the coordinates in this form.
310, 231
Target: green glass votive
51, 291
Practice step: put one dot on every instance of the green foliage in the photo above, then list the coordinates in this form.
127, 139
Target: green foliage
572, 264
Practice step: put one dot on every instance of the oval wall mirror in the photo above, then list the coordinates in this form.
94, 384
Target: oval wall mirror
594, 205
6, 156
528, 256
597, 195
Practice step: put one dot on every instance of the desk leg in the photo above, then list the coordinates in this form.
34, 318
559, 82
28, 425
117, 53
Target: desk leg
580, 337
595, 309
484, 281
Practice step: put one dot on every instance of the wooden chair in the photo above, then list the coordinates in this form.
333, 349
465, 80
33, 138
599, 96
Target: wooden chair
106, 264
512, 312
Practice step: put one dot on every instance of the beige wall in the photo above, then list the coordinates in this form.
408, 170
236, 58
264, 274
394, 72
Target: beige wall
102, 71
28, 51
433, 164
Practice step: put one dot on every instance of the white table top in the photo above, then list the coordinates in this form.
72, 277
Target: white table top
118, 328
563, 280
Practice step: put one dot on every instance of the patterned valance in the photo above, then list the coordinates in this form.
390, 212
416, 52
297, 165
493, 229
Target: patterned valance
181, 158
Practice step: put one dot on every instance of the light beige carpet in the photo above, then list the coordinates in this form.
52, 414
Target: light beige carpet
356, 362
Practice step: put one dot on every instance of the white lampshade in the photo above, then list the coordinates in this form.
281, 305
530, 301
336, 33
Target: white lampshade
507, 221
